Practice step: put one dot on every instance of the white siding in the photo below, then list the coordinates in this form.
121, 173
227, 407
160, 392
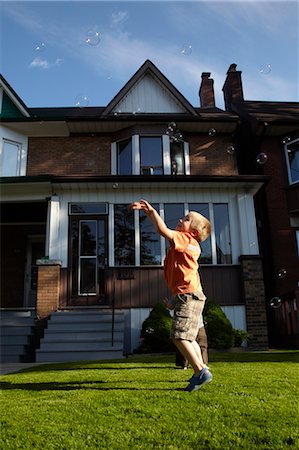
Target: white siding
148, 96
236, 315
133, 323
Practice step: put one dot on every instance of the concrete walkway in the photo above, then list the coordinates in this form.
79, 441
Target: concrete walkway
6, 368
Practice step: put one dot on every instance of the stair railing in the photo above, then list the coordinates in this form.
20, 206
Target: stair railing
113, 308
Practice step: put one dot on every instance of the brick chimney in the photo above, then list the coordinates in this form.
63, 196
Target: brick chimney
232, 88
206, 91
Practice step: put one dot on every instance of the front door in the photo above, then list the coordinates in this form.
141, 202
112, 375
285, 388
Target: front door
88, 260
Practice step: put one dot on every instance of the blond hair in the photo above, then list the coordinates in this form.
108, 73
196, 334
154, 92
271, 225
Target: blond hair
201, 224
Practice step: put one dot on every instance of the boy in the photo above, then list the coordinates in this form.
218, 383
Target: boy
182, 277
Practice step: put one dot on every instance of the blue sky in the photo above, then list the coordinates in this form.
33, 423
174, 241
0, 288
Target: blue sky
47, 59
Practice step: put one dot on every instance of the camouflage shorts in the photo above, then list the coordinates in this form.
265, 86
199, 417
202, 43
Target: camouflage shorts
187, 313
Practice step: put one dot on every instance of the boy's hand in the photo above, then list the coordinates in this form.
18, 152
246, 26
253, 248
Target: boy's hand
142, 204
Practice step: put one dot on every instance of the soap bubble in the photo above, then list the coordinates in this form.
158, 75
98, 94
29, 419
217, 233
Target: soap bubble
186, 49
282, 273
171, 127
275, 302
265, 69
92, 37
212, 132
176, 136
286, 139
81, 101
261, 158
40, 47
230, 150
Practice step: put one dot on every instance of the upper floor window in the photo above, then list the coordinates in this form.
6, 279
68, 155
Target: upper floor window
10, 158
150, 155
124, 157
177, 158
292, 154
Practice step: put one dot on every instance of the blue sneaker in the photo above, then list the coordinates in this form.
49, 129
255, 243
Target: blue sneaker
197, 381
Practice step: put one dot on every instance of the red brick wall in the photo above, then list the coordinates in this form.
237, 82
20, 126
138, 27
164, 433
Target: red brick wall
48, 290
92, 156
254, 293
282, 238
69, 156
209, 156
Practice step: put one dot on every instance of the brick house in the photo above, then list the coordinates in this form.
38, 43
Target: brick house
268, 143
74, 257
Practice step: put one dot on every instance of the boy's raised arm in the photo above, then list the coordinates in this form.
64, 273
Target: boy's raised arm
153, 215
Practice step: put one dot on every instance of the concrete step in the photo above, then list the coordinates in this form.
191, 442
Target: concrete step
84, 327
17, 321
81, 318
109, 353
16, 331
17, 313
77, 346
12, 350
14, 340
90, 336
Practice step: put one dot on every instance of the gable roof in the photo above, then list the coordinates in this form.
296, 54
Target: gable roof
167, 97
11, 101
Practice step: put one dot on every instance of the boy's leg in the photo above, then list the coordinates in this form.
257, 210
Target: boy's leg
188, 350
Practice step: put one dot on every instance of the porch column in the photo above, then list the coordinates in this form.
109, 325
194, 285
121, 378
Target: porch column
52, 237
254, 292
48, 284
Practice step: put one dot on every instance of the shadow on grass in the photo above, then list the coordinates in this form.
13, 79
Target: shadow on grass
87, 385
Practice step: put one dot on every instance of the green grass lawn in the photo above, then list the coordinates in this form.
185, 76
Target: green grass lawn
139, 403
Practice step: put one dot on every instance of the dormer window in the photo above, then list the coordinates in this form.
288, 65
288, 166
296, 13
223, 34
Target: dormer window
150, 155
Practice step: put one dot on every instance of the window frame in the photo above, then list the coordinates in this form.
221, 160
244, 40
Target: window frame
136, 156
163, 244
19, 156
286, 150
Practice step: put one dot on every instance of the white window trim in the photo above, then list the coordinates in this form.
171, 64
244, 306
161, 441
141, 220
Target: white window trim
20, 156
114, 158
187, 158
288, 162
136, 169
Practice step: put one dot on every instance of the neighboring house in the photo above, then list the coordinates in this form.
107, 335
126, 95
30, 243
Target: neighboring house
268, 143
69, 244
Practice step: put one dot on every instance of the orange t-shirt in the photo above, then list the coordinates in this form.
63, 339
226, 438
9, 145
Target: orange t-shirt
181, 266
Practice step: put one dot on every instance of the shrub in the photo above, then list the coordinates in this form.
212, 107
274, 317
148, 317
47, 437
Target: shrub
219, 330
240, 336
155, 331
